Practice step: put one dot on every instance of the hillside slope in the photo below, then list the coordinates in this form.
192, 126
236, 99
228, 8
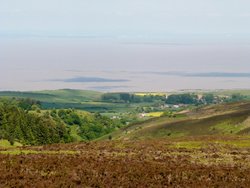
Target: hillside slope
223, 119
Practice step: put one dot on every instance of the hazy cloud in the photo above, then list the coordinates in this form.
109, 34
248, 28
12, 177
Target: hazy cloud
220, 74
88, 79
107, 88
205, 74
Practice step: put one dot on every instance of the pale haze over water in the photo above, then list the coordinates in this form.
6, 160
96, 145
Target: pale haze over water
37, 64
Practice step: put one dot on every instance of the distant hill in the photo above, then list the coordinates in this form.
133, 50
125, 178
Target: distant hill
64, 98
86, 100
62, 95
230, 118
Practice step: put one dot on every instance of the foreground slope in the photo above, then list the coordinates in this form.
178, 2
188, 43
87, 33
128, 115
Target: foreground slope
222, 119
184, 162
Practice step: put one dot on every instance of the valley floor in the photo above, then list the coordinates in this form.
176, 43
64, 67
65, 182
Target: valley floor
207, 161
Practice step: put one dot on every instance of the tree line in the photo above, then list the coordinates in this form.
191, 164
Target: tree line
207, 98
131, 98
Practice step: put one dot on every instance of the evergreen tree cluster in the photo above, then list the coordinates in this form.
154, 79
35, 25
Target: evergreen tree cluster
17, 124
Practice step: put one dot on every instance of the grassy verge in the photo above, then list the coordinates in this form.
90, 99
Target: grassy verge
27, 152
6, 144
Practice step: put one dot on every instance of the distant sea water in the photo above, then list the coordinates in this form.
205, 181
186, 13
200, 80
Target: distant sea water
113, 65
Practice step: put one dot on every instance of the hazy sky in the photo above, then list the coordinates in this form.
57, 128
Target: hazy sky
119, 18
46, 40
